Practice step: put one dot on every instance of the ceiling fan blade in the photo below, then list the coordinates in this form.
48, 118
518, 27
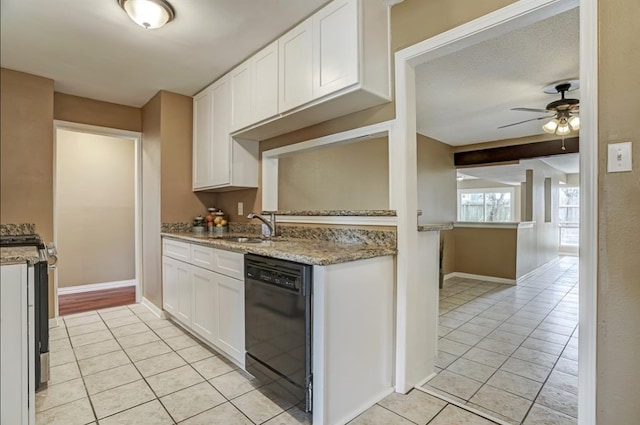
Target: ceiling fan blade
522, 122
542, 111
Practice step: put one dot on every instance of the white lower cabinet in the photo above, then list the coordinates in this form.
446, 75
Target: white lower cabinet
204, 293
208, 301
229, 323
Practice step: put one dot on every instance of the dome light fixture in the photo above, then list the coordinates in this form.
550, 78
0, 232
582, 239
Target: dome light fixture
149, 14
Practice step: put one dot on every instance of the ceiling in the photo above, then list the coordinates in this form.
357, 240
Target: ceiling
91, 48
463, 97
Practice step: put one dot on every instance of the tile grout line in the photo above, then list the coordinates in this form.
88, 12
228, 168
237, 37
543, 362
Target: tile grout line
530, 300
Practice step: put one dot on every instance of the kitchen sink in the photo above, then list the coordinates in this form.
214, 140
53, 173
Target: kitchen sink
250, 239
241, 239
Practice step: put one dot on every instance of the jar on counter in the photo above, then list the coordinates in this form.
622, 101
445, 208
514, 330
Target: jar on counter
198, 224
217, 221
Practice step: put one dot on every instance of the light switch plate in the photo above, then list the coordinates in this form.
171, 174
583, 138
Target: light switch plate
240, 208
619, 157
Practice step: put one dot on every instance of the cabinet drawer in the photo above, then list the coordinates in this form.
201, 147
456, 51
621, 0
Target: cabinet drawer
203, 256
224, 262
230, 264
178, 250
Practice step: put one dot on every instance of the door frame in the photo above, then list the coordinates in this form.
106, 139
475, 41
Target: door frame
403, 169
111, 132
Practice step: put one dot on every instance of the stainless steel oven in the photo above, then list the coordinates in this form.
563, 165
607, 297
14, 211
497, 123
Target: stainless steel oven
278, 319
40, 339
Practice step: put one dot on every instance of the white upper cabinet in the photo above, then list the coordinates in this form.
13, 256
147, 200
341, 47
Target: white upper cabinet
220, 142
254, 88
220, 162
296, 66
335, 47
202, 131
241, 96
334, 63
265, 82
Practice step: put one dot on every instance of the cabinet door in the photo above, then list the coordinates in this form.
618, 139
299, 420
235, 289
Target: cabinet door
220, 140
265, 82
229, 307
335, 47
170, 285
202, 133
204, 290
296, 73
177, 289
242, 103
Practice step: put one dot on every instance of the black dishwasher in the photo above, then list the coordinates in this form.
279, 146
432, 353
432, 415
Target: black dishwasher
278, 315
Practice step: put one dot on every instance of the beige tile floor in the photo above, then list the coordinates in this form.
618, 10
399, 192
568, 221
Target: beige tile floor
512, 351
125, 366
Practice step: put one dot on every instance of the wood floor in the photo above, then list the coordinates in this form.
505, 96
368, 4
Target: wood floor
95, 300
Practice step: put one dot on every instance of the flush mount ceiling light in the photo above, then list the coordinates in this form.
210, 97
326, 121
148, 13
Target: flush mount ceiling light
150, 14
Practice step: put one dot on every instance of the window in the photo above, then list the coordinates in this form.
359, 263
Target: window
569, 212
486, 205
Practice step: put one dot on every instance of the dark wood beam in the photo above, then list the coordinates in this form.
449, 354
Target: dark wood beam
516, 152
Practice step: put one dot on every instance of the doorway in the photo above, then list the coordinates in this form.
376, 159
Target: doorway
517, 15
96, 217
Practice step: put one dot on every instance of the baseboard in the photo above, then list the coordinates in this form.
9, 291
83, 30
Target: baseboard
427, 379
539, 269
153, 308
53, 322
96, 287
481, 277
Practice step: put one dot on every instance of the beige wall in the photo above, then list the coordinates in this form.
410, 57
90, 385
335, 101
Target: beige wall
437, 192
353, 176
26, 153
436, 181
151, 177
619, 216
95, 208
166, 180
94, 112
486, 251
26, 150
177, 201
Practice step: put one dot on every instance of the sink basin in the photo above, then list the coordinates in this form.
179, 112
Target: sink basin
241, 239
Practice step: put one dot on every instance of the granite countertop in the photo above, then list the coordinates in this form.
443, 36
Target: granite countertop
343, 213
18, 255
434, 227
314, 252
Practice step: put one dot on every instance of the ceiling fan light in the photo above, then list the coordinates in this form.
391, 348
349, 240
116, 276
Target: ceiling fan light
563, 129
551, 126
574, 123
149, 14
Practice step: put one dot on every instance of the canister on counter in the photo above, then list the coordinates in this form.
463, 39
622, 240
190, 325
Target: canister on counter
217, 221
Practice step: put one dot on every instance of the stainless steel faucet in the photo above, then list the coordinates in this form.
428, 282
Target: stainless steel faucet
269, 222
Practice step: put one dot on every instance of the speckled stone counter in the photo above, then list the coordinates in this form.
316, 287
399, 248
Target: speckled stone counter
345, 213
17, 229
434, 227
18, 255
315, 252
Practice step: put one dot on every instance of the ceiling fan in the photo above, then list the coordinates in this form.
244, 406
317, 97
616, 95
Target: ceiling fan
565, 110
